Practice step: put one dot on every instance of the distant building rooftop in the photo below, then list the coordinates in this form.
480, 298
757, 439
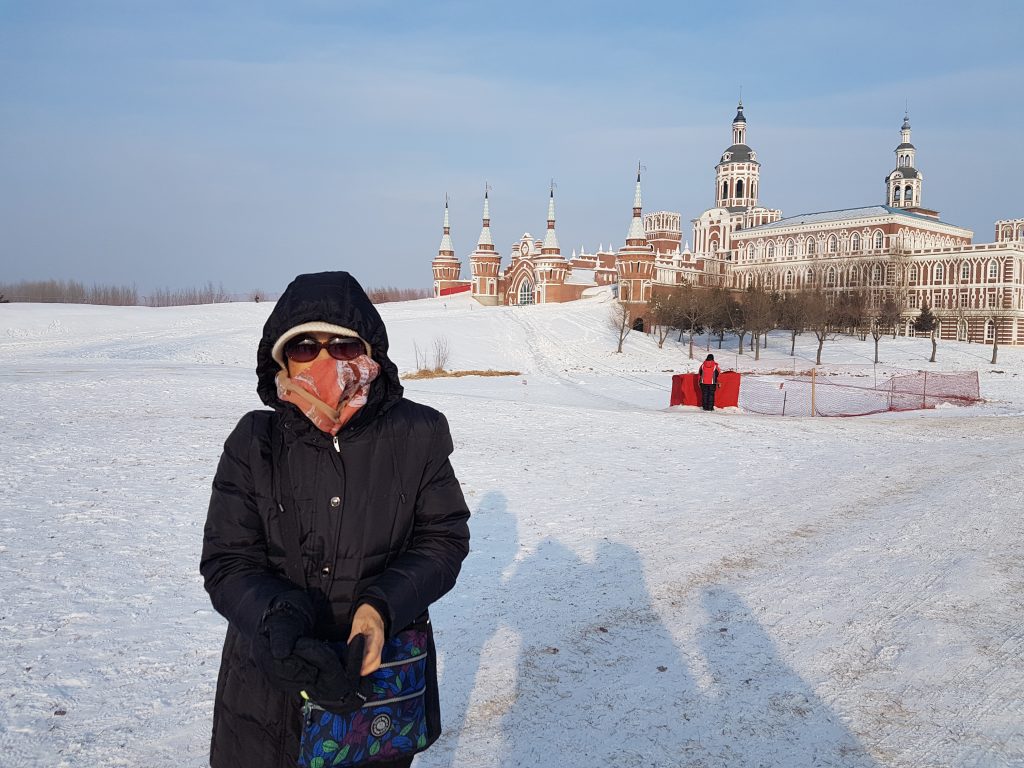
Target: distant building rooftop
823, 217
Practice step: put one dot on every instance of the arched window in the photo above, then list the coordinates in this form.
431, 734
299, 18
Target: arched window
750, 279
725, 189
908, 194
714, 246
739, 188
896, 195
879, 239
526, 291
853, 278
790, 247
810, 277
771, 250
750, 251
753, 189
965, 271
855, 242
993, 270
810, 245
913, 274
789, 279
833, 244
989, 331
830, 277
876, 274
938, 274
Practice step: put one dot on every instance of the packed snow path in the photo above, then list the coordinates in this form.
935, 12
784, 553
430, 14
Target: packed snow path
647, 586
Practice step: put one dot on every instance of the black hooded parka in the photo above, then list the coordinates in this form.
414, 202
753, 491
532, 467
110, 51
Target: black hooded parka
381, 519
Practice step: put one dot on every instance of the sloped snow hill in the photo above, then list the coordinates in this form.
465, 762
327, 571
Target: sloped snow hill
647, 586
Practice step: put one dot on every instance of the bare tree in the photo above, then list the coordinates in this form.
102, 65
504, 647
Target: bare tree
878, 330
884, 320
925, 323
820, 319
691, 311
436, 359
850, 311
718, 313
995, 338
793, 316
898, 271
441, 354
759, 311
663, 309
890, 312
620, 320
737, 320
994, 317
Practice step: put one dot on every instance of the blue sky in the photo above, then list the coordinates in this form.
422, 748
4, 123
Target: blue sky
168, 144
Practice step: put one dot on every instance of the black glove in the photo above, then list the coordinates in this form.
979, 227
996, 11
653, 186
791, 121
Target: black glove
338, 687
289, 618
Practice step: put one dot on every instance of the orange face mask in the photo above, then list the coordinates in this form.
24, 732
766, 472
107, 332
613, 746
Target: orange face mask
330, 391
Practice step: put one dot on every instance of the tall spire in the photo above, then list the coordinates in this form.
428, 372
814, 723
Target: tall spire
737, 173
446, 249
637, 235
903, 185
739, 125
550, 245
485, 243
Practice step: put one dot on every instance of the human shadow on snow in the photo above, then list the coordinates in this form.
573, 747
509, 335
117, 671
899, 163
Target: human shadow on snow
482, 595
757, 710
601, 681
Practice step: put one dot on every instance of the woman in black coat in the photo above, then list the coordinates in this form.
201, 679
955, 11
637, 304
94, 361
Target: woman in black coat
354, 476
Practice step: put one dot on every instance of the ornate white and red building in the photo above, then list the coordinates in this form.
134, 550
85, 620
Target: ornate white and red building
896, 248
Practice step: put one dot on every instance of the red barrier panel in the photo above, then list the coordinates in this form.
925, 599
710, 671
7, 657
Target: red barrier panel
686, 390
455, 289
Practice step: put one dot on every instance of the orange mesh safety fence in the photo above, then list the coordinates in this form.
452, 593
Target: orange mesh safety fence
816, 396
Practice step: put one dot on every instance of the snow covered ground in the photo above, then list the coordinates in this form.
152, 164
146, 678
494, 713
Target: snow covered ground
648, 586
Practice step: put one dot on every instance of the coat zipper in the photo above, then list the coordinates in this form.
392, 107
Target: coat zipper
336, 446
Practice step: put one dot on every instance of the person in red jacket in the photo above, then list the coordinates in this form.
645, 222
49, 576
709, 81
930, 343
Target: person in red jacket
707, 375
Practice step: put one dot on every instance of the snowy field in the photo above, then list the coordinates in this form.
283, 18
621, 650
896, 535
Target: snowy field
648, 586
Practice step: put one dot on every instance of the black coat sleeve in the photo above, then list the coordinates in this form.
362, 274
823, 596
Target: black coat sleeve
234, 563
427, 569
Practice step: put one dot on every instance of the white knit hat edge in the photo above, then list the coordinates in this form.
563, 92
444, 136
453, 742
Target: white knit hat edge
317, 327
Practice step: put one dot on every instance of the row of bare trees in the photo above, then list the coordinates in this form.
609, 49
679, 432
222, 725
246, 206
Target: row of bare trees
75, 292
70, 292
391, 293
691, 311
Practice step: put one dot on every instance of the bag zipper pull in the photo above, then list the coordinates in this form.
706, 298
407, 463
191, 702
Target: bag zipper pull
336, 446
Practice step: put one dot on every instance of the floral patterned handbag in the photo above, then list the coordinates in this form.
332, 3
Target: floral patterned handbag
393, 721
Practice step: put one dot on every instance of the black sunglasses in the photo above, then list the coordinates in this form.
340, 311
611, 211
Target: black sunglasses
305, 349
